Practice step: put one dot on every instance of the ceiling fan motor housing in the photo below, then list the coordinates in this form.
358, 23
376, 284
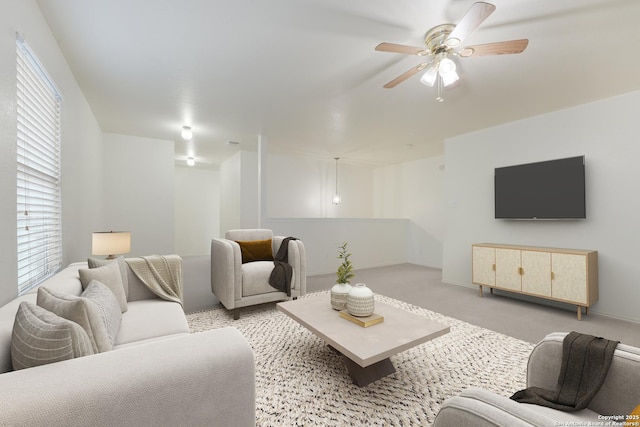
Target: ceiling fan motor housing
435, 38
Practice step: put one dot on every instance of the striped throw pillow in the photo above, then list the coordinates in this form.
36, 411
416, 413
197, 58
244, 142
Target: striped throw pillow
41, 337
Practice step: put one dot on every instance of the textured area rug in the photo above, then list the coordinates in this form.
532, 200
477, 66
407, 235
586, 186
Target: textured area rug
300, 381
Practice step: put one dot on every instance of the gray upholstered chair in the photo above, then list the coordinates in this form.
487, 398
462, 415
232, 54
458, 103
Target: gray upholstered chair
618, 395
240, 284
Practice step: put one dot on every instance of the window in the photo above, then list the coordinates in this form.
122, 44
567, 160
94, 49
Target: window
39, 236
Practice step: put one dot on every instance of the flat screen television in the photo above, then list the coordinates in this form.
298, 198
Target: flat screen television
553, 189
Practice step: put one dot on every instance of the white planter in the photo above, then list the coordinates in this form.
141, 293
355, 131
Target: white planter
360, 302
339, 293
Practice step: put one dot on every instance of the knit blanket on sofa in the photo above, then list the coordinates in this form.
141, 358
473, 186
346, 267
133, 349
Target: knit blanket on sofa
162, 274
585, 363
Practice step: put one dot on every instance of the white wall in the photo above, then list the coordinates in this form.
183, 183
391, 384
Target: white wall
197, 209
81, 143
239, 192
606, 132
415, 190
372, 242
138, 191
302, 186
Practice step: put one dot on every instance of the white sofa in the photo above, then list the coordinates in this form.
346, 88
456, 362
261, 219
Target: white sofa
158, 374
618, 396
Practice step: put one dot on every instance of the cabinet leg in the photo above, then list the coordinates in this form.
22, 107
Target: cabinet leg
480, 287
586, 311
579, 313
491, 291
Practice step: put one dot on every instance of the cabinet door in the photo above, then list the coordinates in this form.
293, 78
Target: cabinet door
536, 276
508, 269
484, 260
569, 277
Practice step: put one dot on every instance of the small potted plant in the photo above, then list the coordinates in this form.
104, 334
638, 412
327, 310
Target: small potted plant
340, 290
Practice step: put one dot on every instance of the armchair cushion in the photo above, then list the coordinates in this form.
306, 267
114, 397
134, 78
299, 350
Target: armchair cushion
255, 278
256, 250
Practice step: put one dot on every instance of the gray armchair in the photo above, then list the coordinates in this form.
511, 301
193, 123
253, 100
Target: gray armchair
237, 284
618, 395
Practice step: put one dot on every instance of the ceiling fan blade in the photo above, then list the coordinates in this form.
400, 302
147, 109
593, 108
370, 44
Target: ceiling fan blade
478, 12
406, 75
400, 48
498, 48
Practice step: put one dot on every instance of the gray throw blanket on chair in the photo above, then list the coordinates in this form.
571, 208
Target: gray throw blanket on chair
585, 363
282, 272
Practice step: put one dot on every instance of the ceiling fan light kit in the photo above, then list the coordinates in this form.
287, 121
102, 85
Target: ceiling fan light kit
441, 42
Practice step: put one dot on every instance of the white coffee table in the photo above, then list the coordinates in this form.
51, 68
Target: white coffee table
366, 351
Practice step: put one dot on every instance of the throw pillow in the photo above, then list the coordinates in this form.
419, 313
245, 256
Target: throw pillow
108, 306
256, 250
97, 262
80, 311
40, 337
110, 276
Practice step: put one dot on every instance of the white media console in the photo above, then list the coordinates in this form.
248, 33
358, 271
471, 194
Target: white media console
566, 275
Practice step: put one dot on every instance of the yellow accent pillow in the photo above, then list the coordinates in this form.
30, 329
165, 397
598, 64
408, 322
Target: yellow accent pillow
256, 250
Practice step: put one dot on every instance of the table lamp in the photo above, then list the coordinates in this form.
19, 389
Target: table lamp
111, 243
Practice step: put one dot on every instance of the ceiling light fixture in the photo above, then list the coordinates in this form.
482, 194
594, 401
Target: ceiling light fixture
186, 133
191, 161
429, 77
336, 199
443, 72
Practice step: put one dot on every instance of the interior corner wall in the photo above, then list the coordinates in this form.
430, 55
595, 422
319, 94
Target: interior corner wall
606, 132
197, 209
81, 143
415, 190
138, 191
239, 192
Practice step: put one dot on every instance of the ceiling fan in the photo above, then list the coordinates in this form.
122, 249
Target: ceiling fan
442, 42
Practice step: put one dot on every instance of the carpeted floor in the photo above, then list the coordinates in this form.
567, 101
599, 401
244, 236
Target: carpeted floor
300, 381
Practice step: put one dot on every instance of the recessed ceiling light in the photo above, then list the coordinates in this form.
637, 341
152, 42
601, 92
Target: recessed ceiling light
186, 133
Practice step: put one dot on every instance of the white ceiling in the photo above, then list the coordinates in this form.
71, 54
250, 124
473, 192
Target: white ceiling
304, 73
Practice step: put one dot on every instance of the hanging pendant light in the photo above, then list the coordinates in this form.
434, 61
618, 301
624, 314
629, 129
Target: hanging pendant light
336, 196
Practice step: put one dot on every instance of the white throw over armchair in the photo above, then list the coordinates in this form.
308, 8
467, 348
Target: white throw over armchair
240, 284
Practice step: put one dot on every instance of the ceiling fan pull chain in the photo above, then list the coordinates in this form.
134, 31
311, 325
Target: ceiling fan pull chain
439, 83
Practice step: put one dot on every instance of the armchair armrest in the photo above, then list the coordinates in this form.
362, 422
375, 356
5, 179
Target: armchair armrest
198, 379
619, 392
476, 407
226, 271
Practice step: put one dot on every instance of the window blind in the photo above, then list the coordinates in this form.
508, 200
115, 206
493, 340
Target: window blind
39, 236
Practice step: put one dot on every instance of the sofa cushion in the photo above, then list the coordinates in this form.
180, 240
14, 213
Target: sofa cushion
79, 310
256, 250
98, 262
41, 337
110, 276
108, 307
152, 318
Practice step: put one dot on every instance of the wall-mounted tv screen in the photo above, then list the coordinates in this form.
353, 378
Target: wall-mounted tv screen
553, 189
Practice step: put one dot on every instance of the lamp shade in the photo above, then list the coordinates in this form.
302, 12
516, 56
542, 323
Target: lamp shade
111, 243
429, 77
